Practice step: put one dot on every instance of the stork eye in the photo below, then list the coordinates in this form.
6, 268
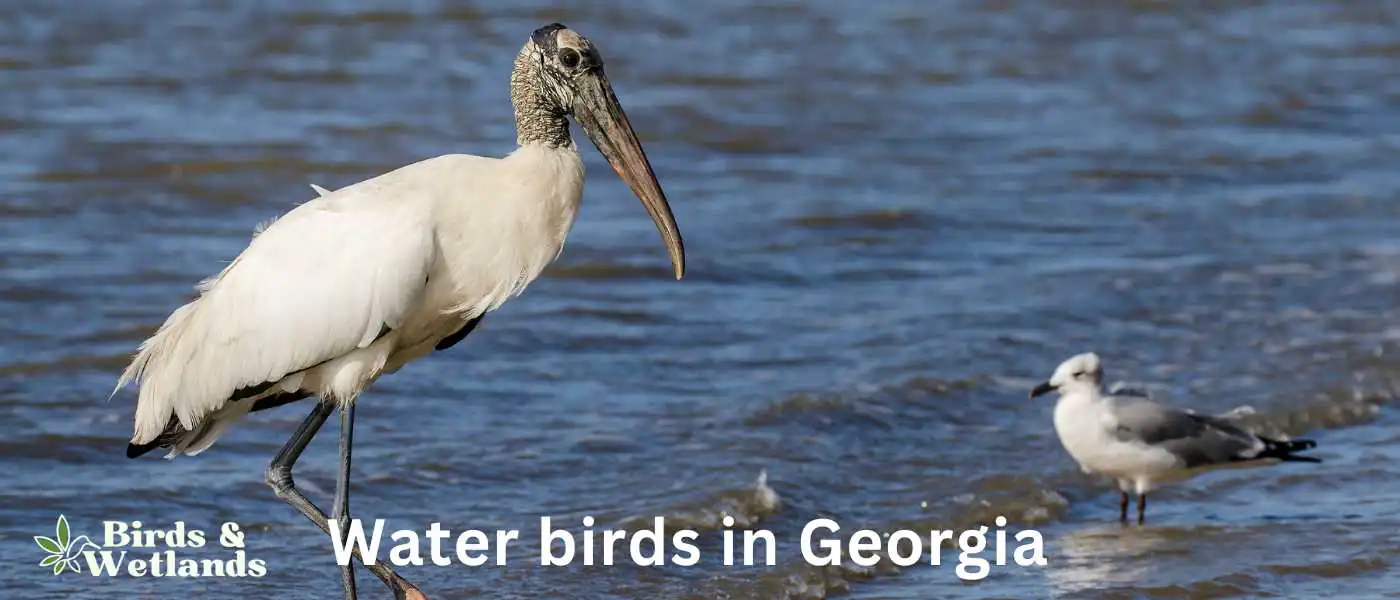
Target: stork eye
569, 57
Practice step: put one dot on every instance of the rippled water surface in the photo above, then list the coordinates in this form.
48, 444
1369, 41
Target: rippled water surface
900, 216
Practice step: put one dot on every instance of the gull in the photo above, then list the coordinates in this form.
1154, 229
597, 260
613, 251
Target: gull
1143, 444
355, 283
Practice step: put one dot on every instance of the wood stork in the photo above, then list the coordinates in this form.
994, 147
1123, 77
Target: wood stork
359, 281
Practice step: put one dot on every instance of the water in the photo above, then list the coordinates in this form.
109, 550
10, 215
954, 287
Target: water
900, 216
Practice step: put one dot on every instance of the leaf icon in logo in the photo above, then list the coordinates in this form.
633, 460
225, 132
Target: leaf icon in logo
62, 531
49, 544
64, 553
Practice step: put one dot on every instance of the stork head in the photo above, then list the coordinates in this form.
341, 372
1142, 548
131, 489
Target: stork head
558, 73
1081, 372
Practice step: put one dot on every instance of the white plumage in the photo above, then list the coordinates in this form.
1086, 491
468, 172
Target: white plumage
1142, 444
419, 250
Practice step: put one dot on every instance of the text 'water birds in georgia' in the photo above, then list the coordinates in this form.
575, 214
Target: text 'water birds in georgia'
356, 283
1143, 444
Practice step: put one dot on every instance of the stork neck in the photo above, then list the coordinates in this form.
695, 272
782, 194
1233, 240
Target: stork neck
538, 118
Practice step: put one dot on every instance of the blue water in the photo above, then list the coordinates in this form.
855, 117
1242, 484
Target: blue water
900, 216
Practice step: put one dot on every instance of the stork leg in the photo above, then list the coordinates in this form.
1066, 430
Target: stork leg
279, 477
1123, 507
341, 511
1142, 507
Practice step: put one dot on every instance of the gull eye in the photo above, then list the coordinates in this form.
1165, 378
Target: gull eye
569, 58
1080, 374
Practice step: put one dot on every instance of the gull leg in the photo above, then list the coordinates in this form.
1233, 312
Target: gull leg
279, 477
1123, 506
1142, 506
341, 511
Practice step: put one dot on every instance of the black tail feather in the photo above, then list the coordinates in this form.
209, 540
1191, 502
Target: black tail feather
135, 450
1286, 451
174, 431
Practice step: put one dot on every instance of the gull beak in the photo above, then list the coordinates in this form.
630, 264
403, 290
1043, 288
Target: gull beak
596, 108
1042, 389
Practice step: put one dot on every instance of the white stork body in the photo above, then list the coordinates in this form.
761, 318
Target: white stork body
420, 251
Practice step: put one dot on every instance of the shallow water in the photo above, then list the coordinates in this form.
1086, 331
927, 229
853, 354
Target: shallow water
900, 216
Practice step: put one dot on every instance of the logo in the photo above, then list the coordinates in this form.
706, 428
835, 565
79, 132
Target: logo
64, 553
131, 549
